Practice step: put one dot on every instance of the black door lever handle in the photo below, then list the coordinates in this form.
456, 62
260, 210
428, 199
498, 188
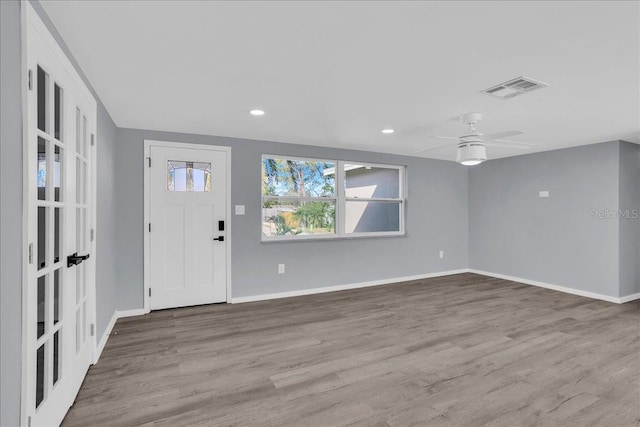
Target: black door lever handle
76, 259
219, 238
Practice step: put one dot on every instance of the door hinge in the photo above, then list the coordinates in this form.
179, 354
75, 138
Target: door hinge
93, 329
91, 234
93, 139
30, 76
28, 421
30, 253
149, 291
149, 227
149, 158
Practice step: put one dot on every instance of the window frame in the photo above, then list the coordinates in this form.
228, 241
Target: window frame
340, 200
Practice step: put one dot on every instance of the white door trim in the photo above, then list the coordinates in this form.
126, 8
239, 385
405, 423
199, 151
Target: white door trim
148, 143
31, 22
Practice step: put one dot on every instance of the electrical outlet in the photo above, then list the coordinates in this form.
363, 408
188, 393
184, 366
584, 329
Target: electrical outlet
544, 194
280, 268
441, 254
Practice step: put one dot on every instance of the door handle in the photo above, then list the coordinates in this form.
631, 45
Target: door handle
219, 238
76, 259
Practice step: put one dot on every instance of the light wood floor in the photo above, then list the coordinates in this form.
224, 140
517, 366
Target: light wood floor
463, 350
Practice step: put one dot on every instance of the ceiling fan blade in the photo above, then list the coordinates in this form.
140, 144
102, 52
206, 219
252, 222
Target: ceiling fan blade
509, 144
443, 137
434, 148
505, 134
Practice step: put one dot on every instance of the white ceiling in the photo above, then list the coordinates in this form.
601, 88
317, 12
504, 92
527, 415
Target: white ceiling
336, 73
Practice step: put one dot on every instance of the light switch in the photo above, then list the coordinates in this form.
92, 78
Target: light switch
239, 209
544, 194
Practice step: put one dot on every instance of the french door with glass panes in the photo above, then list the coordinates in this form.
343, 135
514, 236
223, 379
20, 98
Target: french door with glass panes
59, 287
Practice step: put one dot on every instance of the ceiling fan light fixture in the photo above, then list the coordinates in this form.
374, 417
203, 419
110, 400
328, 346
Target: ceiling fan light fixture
471, 153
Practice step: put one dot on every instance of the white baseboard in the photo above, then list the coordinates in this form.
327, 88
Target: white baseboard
130, 313
264, 297
116, 315
559, 288
105, 337
630, 298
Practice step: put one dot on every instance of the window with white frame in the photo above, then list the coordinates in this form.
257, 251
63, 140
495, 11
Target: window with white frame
309, 198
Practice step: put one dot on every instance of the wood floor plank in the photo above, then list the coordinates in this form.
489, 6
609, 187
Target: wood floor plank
462, 350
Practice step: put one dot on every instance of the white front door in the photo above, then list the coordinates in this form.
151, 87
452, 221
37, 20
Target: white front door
187, 230
59, 286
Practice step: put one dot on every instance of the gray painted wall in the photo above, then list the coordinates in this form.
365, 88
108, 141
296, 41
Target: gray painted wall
10, 213
630, 221
555, 240
436, 219
106, 249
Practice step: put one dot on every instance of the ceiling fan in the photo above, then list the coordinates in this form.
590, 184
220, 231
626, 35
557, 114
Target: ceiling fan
471, 148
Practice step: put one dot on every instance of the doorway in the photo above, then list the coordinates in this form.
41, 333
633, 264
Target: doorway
187, 230
59, 202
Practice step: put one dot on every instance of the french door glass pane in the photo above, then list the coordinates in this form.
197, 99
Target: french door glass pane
57, 170
57, 112
41, 306
78, 180
56, 356
79, 282
369, 217
42, 236
84, 136
78, 131
56, 235
42, 169
78, 325
84, 321
56, 296
83, 188
43, 83
40, 375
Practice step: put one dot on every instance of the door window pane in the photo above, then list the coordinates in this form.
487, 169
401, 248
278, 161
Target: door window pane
56, 357
56, 235
42, 236
361, 181
368, 217
57, 112
40, 375
298, 218
57, 170
56, 296
43, 83
41, 306
42, 169
188, 176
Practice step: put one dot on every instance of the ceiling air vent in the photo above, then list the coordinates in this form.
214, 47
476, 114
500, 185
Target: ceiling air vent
514, 87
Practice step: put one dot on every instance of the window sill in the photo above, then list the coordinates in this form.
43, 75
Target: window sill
331, 237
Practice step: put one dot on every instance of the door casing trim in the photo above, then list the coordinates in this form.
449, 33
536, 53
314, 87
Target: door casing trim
148, 143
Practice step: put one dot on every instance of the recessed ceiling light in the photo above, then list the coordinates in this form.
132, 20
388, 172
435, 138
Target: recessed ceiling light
388, 131
256, 112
